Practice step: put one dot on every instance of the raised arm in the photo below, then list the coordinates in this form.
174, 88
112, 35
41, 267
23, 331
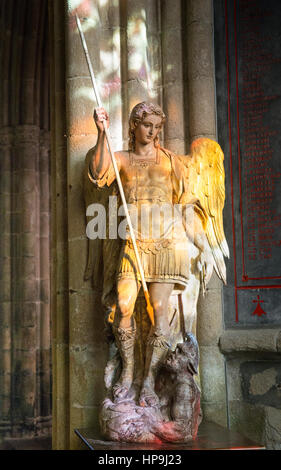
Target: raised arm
100, 158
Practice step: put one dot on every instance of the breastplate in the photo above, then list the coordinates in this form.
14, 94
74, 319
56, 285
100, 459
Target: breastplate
148, 181
149, 192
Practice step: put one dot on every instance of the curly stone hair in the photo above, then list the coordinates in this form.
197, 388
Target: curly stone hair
138, 114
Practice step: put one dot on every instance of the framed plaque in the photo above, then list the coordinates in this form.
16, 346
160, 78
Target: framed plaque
248, 70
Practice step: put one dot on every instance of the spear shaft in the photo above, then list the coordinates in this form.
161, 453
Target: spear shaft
118, 179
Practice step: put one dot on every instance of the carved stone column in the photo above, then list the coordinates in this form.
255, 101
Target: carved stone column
27, 287
202, 122
24, 297
44, 359
6, 138
25, 273
59, 264
173, 78
24, 205
200, 69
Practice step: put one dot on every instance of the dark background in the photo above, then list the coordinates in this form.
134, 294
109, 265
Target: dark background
248, 70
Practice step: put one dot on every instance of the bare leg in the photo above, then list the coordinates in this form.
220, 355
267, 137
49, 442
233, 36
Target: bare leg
158, 345
125, 333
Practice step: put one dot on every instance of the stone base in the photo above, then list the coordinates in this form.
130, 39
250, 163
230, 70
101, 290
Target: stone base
210, 436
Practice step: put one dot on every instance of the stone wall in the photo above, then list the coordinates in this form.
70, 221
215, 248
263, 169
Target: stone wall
160, 51
254, 383
25, 373
248, 108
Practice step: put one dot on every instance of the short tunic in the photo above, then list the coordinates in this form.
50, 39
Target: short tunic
163, 260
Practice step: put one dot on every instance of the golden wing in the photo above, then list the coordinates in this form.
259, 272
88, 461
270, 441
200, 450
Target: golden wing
206, 183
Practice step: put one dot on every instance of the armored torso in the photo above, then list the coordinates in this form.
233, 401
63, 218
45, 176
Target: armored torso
147, 179
151, 187
148, 189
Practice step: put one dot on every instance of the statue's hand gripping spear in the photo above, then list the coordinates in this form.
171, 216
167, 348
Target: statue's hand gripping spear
118, 179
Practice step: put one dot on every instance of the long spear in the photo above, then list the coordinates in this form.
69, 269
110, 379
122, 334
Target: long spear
149, 307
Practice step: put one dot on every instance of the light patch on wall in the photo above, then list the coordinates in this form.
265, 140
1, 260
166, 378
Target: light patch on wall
154, 75
137, 41
137, 29
105, 90
262, 382
73, 4
103, 3
83, 7
110, 60
87, 12
85, 92
138, 63
90, 23
116, 39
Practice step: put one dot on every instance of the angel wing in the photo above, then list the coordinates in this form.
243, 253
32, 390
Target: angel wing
103, 254
206, 183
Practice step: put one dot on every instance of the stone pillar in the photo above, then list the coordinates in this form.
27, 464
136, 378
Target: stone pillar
6, 136
202, 122
26, 293
201, 71
172, 76
24, 330
44, 359
25, 273
140, 56
24, 309
59, 264
142, 52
